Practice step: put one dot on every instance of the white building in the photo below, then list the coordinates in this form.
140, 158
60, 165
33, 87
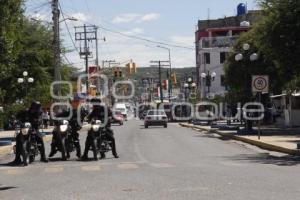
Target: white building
214, 40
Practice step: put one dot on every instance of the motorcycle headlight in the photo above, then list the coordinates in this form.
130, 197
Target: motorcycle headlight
25, 131
63, 128
95, 128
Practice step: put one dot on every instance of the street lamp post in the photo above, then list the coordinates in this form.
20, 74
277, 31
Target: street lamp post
253, 57
208, 79
188, 86
26, 81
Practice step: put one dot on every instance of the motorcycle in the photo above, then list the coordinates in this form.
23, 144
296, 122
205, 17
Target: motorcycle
103, 144
62, 139
28, 142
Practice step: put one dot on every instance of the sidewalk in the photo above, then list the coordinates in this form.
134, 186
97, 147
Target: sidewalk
8, 136
272, 139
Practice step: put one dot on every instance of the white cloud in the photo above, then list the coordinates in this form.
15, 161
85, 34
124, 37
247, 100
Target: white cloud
135, 17
81, 17
125, 18
134, 31
41, 17
150, 17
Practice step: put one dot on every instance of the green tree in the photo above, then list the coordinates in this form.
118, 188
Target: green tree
275, 38
11, 15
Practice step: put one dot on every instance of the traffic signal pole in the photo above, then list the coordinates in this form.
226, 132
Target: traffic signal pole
159, 65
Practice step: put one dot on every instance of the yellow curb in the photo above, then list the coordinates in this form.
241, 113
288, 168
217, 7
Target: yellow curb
8, 149
259, 144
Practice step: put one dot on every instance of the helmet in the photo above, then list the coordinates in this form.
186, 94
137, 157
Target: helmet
35, 105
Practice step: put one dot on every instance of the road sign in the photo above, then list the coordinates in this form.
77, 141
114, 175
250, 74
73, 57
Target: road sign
260, 83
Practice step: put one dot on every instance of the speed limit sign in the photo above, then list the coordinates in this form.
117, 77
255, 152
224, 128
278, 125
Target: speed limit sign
260, 83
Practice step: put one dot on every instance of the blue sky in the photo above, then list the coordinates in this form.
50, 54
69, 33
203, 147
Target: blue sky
168, 21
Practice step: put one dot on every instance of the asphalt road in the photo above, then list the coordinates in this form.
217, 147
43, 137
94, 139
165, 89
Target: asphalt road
158, 163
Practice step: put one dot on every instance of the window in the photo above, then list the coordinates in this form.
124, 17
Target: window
222, 57
207, 58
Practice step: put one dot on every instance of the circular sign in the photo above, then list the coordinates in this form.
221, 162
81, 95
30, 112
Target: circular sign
260, 83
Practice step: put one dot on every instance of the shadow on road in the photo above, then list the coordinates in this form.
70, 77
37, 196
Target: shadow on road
2, 188
213, 136
265, 158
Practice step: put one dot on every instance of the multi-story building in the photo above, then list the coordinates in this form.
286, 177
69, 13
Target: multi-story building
214, 40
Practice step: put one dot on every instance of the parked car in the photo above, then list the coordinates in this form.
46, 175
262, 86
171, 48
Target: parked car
117, 118
156, 118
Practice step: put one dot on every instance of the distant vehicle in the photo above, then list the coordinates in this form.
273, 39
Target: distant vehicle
122, 108
117, 118
143, 109
143, 114
156, 118
128, 106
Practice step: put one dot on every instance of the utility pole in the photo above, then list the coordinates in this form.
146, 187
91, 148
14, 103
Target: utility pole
170, 71
85, 34
56, 45
160, 64
110, 80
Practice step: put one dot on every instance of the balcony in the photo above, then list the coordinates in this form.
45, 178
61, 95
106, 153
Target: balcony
218, 42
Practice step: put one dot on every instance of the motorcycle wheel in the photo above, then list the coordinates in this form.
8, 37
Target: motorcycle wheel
25, 156
63, 148
31, 158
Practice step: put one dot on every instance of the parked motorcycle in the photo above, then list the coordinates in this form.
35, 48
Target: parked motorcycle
103, 144
28, 142
62, 139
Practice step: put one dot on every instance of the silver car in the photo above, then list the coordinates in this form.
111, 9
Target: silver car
156, 118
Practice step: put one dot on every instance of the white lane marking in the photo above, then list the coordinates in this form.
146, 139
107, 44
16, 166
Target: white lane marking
128, 166
92, 168
15, 172
162, 165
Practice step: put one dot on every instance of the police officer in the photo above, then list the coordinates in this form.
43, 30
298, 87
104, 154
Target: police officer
99, 112
75, 127
32, 115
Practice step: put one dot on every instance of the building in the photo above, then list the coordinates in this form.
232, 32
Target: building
214, 39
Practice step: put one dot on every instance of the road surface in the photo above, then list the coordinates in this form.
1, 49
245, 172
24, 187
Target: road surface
158, 163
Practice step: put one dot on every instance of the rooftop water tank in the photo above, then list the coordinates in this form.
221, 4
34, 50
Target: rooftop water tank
241, 9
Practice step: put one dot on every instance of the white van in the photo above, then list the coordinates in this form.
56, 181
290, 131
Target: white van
122, 108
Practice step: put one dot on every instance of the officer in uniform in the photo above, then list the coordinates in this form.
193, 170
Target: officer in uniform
99, 112
32, 115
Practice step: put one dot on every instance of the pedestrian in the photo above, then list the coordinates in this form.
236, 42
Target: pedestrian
46, 118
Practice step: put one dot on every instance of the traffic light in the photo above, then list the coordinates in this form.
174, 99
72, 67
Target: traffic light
174, 78
134, 70
128, 68
116, 73
131, 68
120, 73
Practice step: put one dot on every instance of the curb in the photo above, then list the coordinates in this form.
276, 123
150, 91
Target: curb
9, 148
259, 144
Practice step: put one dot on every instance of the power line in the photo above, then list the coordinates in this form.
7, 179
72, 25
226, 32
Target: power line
68, 61
144, 39
68, 28
39, 7
147, 40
